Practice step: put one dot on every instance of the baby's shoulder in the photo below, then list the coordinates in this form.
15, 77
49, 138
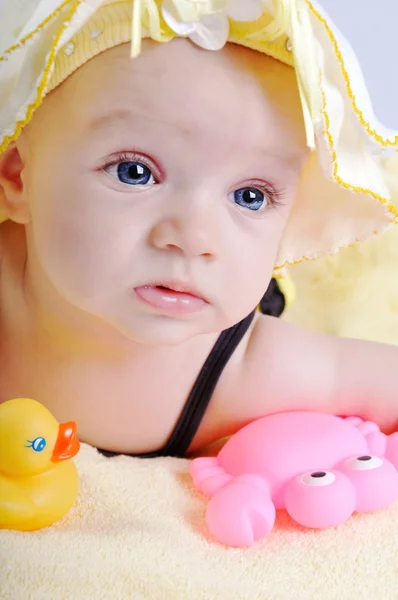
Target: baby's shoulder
277, 353
279, 365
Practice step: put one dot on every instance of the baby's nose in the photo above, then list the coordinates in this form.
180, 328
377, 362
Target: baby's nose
190, 234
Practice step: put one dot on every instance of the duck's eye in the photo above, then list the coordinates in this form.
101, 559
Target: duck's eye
38, 444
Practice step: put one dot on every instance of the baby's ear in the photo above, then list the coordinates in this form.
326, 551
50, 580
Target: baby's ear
13, 195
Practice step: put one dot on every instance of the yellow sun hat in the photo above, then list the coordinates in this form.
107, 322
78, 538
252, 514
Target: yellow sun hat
349, 186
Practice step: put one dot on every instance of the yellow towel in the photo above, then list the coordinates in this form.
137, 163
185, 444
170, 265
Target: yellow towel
137, 533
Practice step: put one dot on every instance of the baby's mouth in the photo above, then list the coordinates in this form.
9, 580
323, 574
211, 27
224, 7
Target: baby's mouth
177, 287
174, 298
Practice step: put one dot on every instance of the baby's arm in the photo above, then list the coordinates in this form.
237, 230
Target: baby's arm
286, 368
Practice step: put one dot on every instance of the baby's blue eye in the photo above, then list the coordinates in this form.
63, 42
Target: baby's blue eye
250, 198
38, 444
131, 173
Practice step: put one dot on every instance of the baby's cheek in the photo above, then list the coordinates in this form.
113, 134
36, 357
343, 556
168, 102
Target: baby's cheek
66, 251
250, 276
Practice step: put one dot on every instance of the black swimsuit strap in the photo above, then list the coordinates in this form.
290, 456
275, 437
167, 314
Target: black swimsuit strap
201, 393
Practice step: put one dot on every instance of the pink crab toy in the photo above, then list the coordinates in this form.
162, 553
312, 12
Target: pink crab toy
318, 467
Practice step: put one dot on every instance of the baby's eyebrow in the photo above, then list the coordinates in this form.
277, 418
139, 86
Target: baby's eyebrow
123, 116
115, 117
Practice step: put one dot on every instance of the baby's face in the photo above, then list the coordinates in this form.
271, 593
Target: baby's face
178, 166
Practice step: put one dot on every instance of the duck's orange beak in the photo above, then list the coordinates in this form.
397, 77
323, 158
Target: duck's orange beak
67, 444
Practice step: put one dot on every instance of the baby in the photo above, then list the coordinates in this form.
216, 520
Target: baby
146, 201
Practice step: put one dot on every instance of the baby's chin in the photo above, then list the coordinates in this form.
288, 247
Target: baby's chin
161, 330
151, 329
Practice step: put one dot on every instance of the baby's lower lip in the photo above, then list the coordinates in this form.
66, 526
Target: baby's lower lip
169, 301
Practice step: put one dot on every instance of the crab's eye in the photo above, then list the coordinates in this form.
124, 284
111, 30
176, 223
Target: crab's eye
364, 463
318, 478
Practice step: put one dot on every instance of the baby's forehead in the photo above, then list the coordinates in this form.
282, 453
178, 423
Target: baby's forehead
236, 93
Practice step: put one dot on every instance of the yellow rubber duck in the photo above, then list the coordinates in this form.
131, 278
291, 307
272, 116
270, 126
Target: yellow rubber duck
38, 482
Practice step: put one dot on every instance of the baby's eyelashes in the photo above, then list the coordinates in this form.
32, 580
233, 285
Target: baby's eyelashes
131, 169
